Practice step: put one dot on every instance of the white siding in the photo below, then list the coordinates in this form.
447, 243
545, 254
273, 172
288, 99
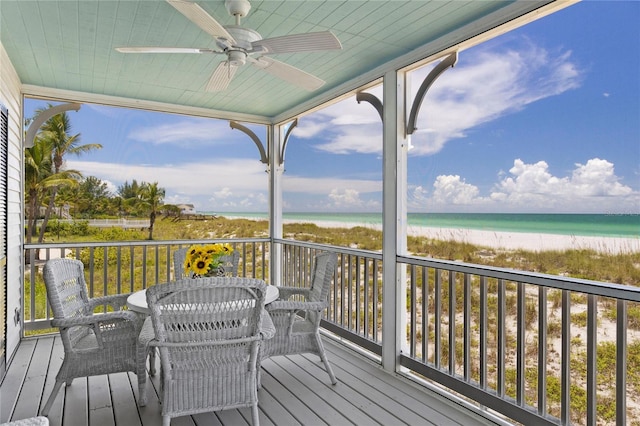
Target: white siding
11, 98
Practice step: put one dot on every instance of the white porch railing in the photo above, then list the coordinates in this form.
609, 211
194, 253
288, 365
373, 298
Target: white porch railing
538, 349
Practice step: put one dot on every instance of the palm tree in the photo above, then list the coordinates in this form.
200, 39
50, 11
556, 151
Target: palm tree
57, 131
152, 197
39, 177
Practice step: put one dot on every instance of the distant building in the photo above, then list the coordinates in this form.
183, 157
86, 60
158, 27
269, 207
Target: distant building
187, 209
61, 212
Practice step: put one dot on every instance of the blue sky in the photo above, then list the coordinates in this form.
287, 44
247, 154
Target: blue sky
545, 118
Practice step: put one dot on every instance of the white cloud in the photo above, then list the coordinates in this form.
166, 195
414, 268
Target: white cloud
597, 178
324, 186
223, 193
453, 190
186, 179
486, 85
345, 198
352, 139
591, 187
308, 127
344, 127
184, 131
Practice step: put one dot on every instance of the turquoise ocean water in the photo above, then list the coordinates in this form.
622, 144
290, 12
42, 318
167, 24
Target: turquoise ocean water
605, 225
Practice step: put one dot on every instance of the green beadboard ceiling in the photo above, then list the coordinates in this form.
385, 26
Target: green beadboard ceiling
70, 45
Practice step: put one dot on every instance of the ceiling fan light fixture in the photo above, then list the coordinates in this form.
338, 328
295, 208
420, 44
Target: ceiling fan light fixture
236, 57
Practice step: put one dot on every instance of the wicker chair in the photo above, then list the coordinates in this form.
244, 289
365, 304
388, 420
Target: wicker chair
297, 314
208, 332
94, 344
229, 265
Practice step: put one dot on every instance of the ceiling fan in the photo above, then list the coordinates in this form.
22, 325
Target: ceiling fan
241, 44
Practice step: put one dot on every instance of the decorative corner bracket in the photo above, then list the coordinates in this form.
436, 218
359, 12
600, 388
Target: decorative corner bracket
449, 61
368, 97
263, 155
29, 139
286, 139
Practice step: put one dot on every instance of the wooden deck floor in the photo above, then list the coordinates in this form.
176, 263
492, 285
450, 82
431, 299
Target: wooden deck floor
296, 390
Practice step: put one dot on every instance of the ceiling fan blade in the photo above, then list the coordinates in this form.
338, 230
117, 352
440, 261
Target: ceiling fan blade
287, 72
201, 18
142, 49
305, 42
221, 77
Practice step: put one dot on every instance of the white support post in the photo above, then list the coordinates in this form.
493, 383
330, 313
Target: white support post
275, 170
393, 218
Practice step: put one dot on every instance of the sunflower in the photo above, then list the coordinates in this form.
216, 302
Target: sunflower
202, 259
201, 265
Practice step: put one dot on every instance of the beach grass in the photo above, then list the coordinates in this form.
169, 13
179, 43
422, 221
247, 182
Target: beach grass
614, 267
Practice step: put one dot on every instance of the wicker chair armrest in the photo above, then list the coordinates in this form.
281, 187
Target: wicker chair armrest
285, 293
267, 328
95, 320
117, 301
293, 305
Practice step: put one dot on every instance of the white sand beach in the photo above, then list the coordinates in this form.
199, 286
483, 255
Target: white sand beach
510, 240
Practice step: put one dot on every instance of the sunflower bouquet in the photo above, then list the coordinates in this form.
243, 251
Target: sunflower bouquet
206, 260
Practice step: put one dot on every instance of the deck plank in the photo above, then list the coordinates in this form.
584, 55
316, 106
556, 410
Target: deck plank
76, 409
301, 385
296, 390
34, 380
390, 391
100, 407
320, 385
57, 354
14, 379
437, 408
125, 409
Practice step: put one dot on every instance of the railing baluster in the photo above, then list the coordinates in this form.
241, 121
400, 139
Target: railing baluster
343, 285
438, 316
565, 392
520, 360
157, 268
144, 268
621, 363
92, 263
350, 294
542, 350
425, 314
452, 322
483, 332
502, 338
467, 327
358, 297
412, 308
366, 298
592, 347
375, 300
118, 271
105, 257
132, 265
